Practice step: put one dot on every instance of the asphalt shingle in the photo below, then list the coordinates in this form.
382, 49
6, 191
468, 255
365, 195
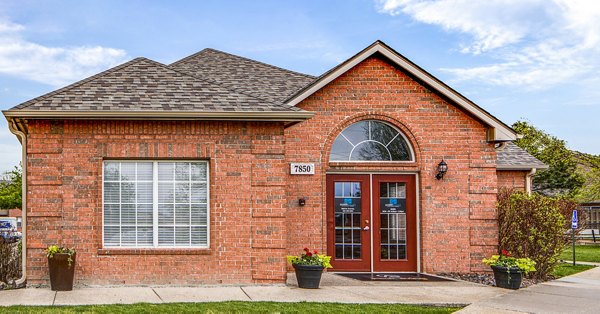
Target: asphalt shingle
513, 157
255, 78
146, 85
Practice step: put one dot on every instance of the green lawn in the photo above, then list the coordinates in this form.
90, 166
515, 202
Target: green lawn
234, 307
583, 253
566, 269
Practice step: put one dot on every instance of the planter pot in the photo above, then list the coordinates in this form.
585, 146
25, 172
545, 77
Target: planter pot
508, 278
308, 276
61, 274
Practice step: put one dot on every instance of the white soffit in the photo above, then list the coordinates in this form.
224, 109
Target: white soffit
502, 131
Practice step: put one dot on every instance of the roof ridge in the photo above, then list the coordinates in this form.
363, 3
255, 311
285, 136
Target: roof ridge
78, 83
188, 57
244, 58
220, 84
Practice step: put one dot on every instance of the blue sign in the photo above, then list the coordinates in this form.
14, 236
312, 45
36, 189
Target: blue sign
574, 220
394, 201
348, 201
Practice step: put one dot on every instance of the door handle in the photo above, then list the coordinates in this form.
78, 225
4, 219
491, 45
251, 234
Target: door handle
366, 228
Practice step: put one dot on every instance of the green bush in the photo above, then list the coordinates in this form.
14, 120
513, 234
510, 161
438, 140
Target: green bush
534, 226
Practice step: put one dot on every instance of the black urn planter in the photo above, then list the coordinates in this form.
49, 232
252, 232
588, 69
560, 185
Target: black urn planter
508, 278
308, 276
61, 273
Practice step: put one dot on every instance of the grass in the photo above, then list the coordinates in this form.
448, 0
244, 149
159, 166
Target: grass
567, 269
234, 307
583, 253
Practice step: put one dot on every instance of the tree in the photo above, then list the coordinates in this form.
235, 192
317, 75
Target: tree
10, 190
562, 177
591, 191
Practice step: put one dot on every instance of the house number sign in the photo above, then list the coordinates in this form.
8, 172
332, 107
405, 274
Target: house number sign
299, 168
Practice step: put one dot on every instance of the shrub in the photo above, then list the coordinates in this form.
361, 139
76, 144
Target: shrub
534, 226
10, 262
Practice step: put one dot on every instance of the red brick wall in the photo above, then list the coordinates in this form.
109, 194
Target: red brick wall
247, 205
457, 214
512, 179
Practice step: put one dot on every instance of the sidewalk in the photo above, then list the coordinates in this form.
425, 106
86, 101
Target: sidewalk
333, 289
574, 294
578, 293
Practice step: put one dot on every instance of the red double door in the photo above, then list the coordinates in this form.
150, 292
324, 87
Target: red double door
372, 222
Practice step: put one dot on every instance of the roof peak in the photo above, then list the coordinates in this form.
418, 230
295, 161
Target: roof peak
199, 53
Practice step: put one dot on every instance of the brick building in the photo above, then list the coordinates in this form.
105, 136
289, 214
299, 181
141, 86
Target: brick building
212, 169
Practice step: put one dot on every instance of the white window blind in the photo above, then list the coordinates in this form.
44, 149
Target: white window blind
155, 204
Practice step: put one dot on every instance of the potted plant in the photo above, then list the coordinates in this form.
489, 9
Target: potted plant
61, 263
309, 267
509, 270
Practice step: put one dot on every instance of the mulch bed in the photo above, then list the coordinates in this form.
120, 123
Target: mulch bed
486, 278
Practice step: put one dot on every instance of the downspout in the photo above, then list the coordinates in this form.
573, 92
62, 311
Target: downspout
528, 180
14, 129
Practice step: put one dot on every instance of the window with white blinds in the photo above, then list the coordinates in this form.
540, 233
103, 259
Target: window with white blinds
155, 204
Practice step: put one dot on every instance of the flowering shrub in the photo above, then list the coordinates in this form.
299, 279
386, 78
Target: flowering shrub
534, 226
506, 260
310, 258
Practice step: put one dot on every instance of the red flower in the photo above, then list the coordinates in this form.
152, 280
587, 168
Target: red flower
306, 249
315, 252
309, 254
505, 253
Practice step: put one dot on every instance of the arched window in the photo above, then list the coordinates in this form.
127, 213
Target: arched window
370, 140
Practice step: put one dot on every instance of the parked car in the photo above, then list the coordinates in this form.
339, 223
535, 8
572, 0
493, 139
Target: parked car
8, 230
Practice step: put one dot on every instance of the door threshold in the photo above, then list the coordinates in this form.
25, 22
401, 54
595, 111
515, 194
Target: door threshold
391, 276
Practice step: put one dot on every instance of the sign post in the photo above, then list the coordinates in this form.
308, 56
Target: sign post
574, 223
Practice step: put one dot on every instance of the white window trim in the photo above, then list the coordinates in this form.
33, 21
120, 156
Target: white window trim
155, 205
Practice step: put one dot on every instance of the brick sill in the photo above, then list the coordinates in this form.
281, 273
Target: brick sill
374, 164
154, 251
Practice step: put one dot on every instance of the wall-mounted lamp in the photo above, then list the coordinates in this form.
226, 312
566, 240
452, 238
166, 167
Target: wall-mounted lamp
442, 169
302, 201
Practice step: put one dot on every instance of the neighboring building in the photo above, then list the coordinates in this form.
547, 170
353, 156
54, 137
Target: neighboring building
214, 168
592, 220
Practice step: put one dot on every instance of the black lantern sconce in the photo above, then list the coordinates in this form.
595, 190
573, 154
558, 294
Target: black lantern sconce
302, 201
442, 169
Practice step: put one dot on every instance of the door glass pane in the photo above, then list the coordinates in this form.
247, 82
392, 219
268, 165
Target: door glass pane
347, 220
392, 208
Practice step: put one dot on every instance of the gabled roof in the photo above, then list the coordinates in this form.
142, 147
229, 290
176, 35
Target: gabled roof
513, 157
254, 78
498, 130
143, 88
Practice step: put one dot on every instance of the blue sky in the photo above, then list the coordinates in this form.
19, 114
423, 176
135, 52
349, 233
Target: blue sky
531, 59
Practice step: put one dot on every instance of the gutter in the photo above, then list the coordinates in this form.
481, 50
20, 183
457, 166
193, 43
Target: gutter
288, 116
14, 129
528, 180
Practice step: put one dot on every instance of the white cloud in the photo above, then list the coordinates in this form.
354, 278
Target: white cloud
51, 65
536, 43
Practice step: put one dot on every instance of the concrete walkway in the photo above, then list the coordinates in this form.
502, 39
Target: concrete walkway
334, 288
578, 293
574, 294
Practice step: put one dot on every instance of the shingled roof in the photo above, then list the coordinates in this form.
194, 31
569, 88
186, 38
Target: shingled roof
513, 157
143, 86
254, 78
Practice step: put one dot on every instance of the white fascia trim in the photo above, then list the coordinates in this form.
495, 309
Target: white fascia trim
162, 115
502, 132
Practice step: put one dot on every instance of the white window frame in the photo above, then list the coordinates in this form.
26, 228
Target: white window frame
400, 134
155, 226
